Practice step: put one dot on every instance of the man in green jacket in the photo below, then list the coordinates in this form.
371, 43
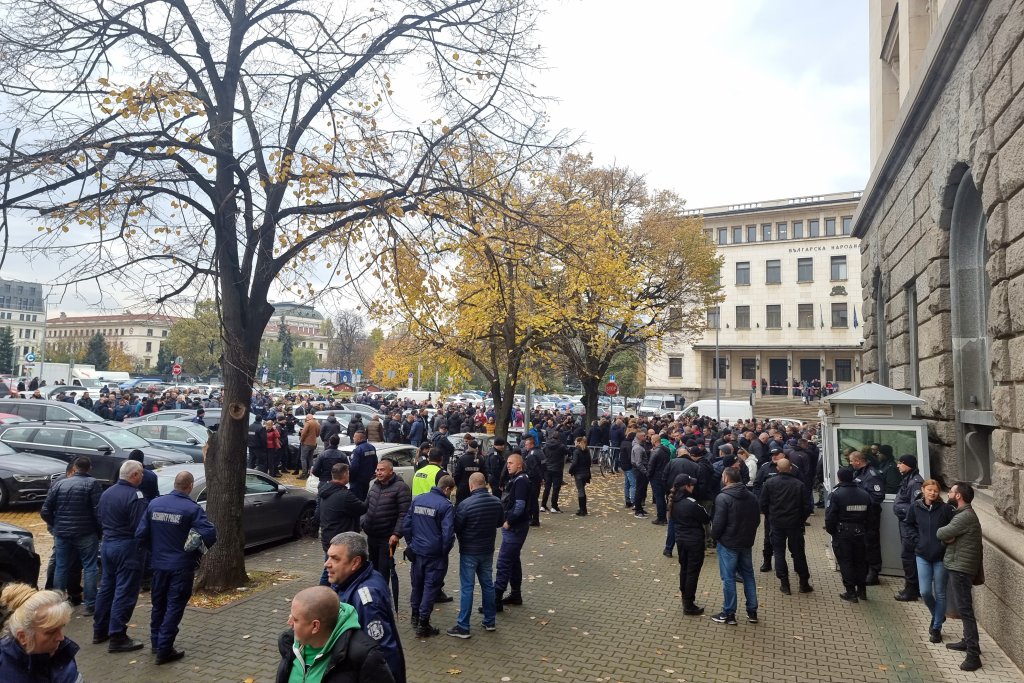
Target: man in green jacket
962, 560
326, 644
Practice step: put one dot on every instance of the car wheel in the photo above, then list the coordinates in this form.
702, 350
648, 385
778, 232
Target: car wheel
5, 498
306, 524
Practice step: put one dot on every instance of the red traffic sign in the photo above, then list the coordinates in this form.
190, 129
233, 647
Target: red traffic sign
176, 369
612, 388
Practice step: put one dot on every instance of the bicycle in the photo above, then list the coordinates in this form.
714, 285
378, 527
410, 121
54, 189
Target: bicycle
608, 460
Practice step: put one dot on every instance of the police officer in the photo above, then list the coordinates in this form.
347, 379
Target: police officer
468, 463
429, 530
533, 465
496, 466
165, 529
428, 476
513, 533
357, 583
846, 520
688, 517
120, 510
908, 491
441, 440
868, 478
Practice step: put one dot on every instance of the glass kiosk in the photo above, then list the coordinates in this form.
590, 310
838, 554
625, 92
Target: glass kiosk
878, 422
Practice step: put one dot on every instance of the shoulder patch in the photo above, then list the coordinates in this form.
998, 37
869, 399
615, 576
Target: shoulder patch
877, 487
138, 494
365, 597
375, 629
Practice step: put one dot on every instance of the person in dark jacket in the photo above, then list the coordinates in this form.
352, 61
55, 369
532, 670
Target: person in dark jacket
338, 509
554, 463
324, 463
846, 520
640, 458
35, 650
71, 512
150, 487
495, 463
355, 425
429, 530
393, 429
533, 465
868, 478
733, 528
509, 566
329, 428
325, 643
963, 559
387, 502
440, 440
579, 470
681, 464
923, 518
476, 518
257, 442
595, 435
764, 473
688, 520
656, 466
468, 463
363, 464
909, 491
616, 434
626, 464
786, 506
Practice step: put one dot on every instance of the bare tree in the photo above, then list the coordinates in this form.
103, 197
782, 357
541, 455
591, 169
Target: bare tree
348, 347
245, 145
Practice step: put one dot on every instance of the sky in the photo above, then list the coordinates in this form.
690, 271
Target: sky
720, 101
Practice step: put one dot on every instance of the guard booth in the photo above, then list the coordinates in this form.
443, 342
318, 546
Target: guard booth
872, 418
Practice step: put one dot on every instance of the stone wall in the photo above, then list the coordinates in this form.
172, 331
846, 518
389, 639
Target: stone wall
976, 125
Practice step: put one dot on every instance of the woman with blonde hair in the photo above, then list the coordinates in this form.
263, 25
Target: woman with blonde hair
33, 647
579, 470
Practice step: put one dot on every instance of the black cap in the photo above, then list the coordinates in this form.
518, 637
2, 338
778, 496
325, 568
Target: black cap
683, 480
845, 475
500, 442
909, 460
775, 450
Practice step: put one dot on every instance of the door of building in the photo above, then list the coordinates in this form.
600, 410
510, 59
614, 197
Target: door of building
777, 376
810, 370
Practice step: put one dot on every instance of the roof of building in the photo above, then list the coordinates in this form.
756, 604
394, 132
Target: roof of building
296, 310
113, 317
777, 204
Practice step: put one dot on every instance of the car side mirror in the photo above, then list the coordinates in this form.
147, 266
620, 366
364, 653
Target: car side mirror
192, 441
281, 489
106, 450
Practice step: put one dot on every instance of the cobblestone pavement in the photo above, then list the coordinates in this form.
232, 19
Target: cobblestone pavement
601, 605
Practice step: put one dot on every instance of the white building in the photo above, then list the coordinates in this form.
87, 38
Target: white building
22, 309
792, 309
303, 322
139, 335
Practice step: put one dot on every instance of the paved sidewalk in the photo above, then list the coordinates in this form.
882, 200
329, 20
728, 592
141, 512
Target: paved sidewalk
601, 605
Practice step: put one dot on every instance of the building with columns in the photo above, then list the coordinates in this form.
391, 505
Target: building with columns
139, 335
941, 224
792, 301
304, 323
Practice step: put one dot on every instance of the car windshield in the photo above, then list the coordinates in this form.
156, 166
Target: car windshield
125, 439
6, 450
652, 402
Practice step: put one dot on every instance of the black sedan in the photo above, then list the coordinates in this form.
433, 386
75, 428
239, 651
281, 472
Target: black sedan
26, 478
272, 511
18, 558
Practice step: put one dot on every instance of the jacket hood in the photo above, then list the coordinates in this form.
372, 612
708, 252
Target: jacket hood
347, 621
735, 491
330, 490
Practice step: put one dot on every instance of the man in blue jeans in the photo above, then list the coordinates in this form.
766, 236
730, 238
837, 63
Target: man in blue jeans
733, 528
476, 518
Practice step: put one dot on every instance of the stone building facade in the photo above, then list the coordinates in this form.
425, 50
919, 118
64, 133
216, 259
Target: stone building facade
941, 223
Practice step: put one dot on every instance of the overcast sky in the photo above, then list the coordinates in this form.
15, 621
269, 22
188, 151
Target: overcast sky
721, 101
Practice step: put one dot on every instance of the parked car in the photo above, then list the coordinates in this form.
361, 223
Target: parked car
271, 512
185, 437
50, 411
106, 445
26, 478
788, 421
18, 558
486, 441
211, 416
9, 419
403, 456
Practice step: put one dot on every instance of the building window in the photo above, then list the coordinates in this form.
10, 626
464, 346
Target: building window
830, 227
766, 232
675, 319
812, 227
743, 317
748, 368
838, 267
722, 368
675, 367
751, 233
839, 315
714, 318
805, 316
773, 316
844, 370
723, 235
149, 333
847, 225
773, 272
783, 231
164, 333
737, 234
805, 270
743, 272
798, 230
149, 347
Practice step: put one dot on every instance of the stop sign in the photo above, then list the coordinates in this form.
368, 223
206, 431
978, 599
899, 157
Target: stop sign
612, 388
176, 369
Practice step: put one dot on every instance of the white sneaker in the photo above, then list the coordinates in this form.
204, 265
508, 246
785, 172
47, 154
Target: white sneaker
543, 509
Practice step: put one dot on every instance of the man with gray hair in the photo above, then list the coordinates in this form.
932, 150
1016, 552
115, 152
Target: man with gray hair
120, 510
357, 583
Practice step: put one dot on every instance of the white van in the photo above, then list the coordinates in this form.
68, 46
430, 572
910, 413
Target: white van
657, 405
731, 410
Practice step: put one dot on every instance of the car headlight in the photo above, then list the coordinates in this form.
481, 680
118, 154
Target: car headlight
25, 478
157, 464
26, 543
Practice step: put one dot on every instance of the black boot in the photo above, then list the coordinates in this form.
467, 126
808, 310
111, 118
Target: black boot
582, 512
425, 630
872, 578
805, 586
908, 594
784, 587
862, 593
513, 598
971, 663
415, 619
690, 609
766, 566
122, 643
848, 596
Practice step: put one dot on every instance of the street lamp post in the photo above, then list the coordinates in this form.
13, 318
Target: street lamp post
718, 374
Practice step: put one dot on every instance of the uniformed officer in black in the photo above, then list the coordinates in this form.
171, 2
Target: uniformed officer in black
533, 465
868, 478
846, 520
165, 529
468, 463
120, 510
688, 518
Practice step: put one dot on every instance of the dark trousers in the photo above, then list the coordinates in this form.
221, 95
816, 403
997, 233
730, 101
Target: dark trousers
119, 591
552, 485
171, 592
794, 538
640, 495
380, 555
766, 545
509, 567
659, 499
427, 577
74, 580
691, 559
909, 559
851, 557
872, 540
533, 504
960, 586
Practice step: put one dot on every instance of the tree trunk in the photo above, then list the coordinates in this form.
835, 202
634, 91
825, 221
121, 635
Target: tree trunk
503, 412
590, 395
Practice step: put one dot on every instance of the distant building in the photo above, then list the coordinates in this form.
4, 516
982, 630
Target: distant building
139, 335
792, 301
23, 309
304, 323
